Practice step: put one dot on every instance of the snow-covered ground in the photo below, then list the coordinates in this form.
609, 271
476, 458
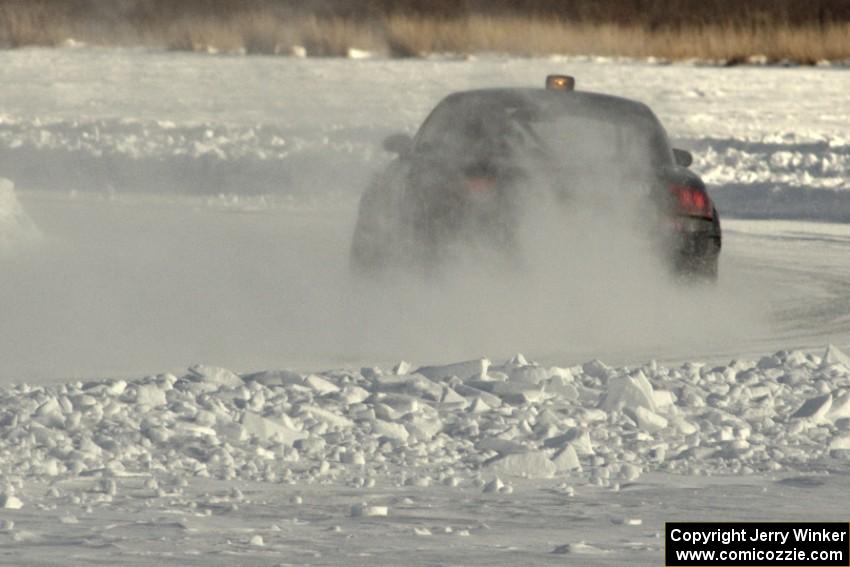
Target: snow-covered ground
173, 208
469, 463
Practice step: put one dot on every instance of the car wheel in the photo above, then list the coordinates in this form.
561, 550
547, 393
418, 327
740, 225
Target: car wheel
704, 269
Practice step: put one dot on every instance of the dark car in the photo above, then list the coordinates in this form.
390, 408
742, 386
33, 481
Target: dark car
482, 156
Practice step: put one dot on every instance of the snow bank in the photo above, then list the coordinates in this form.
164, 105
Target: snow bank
15, 224
463, 425
202, 159
777, 175
766, 175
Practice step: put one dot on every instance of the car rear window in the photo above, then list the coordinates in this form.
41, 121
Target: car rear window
576, 134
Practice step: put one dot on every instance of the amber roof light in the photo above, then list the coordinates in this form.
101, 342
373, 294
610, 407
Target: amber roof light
560, 83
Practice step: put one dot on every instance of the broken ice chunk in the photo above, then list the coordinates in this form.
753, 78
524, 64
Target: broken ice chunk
814, 409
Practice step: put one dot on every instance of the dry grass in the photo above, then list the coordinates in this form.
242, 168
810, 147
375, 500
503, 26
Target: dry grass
269, 29
255, 33
335, 36
22, 25
529, 36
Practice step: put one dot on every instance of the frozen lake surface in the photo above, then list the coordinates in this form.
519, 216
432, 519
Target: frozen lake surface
172, 208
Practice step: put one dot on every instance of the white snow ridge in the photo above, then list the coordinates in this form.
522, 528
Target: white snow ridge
590, 423
15, 224
176, 453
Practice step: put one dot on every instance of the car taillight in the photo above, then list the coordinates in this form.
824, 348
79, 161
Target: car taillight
692, 201
480, 185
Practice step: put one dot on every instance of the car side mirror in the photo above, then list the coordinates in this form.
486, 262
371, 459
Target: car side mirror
683, 157
400, 144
